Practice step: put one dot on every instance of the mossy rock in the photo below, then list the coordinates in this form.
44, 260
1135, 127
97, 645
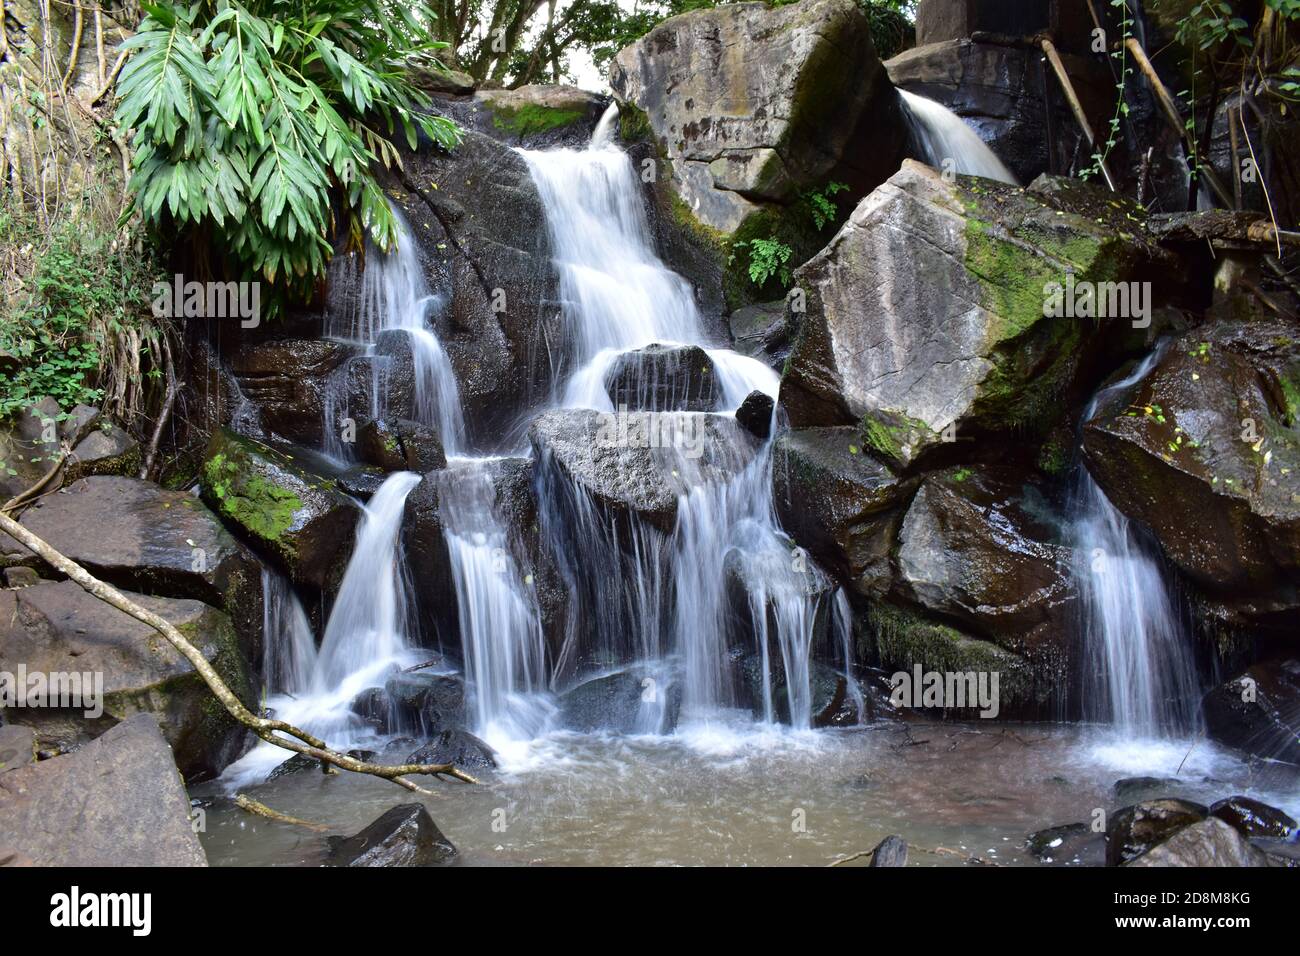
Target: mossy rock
302, 519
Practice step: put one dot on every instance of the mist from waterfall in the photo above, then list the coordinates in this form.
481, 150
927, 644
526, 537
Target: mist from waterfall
1143, 676
942, 136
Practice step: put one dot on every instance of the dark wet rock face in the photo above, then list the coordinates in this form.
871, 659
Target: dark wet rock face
1215, 427
1135, 830
1255, 712
891, 851
664, 378
286, 380
762, 331
118, 801
755, 414
404, 836
58, 628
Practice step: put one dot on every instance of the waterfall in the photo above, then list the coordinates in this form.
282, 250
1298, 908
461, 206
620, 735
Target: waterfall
368, 628
500, 625
1145, 681
660, 596
288, 645
941, 135
393, 296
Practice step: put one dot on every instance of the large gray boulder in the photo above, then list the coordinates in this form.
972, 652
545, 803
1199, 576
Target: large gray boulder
927, 314
640, 463
1213, 431
1208, 843
752, 104
137, 535
60, 629
118, 801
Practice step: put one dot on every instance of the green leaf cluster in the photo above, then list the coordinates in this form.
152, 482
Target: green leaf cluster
254, 122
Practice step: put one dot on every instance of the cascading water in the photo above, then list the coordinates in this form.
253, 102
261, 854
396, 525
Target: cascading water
393, 296
288, 645
941, 135
618, 297
1145, 682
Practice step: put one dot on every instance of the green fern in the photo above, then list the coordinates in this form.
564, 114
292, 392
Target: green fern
251, 120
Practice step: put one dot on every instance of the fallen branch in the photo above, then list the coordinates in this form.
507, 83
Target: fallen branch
249, 805
276, 732
31, 493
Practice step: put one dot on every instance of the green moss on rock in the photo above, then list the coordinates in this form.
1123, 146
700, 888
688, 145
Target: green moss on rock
530, 119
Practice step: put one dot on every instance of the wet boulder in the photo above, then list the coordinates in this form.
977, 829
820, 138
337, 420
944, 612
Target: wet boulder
457, 747
428, 561
755, 414
124, 667
840, 503
629, 701
939, 311
1205, 452
28, 445
1251, 818
424, 702
403, 836
1210, 842
664, 378
638, 464
752, 104
972, 549
891, 851
137, 535
1134, 830
399, 444
117, 801
1255, 712
301, 518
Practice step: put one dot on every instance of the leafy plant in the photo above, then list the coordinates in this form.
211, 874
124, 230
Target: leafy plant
821, 204
767, 258
250, 118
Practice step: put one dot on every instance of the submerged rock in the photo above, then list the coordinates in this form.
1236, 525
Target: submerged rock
404, 836
928, 314
753, 104
59, 628
1074, 844
664, 378
1255, 711
301, 518
1135, 830
1209, 842
117, 801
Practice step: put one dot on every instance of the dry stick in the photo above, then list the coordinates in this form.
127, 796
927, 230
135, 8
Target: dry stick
1077, 108
264, 727
262, 810
1175, 118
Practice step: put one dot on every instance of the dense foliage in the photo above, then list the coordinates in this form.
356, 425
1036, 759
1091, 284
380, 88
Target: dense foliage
251, 119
